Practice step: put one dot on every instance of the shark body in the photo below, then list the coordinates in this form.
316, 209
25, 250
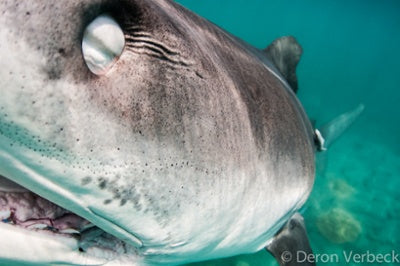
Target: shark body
192, 146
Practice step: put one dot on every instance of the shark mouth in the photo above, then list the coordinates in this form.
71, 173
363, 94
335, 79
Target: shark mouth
23, 208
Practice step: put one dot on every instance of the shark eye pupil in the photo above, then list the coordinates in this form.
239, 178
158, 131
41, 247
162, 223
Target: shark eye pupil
102, 44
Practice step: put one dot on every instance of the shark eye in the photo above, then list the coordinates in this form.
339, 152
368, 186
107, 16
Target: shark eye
102, 44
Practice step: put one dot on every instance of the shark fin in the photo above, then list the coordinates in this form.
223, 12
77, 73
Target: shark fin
291, 241
285, 54
331, 131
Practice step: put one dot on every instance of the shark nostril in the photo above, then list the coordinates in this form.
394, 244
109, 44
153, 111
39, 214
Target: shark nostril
102, 44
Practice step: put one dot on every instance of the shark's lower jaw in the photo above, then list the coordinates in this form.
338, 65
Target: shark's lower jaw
25, 209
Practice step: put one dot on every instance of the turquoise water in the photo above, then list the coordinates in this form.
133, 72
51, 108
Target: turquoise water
350, 56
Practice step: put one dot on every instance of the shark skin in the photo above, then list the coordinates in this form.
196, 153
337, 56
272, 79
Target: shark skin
191, 147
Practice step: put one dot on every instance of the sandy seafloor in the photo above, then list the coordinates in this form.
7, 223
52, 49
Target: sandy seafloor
351, 56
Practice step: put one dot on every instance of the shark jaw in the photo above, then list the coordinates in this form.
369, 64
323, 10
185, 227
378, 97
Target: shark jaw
41, 247
45, 232
45, 248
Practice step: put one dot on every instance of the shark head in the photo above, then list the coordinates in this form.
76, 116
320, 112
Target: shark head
137, 125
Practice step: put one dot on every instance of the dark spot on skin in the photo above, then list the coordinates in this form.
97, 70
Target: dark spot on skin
103, 183
199, 75
53, 73
116, 193
61, 51
28, 13
107, 201
123, 202
81, 249
86, 180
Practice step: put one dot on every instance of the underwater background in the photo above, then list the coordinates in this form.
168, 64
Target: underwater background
351, 56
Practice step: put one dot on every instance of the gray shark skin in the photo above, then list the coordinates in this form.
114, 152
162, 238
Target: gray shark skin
191, 147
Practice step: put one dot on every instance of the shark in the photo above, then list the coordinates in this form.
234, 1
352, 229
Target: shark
135, 132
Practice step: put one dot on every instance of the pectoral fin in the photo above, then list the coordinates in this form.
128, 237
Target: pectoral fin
290, 246
331, 131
